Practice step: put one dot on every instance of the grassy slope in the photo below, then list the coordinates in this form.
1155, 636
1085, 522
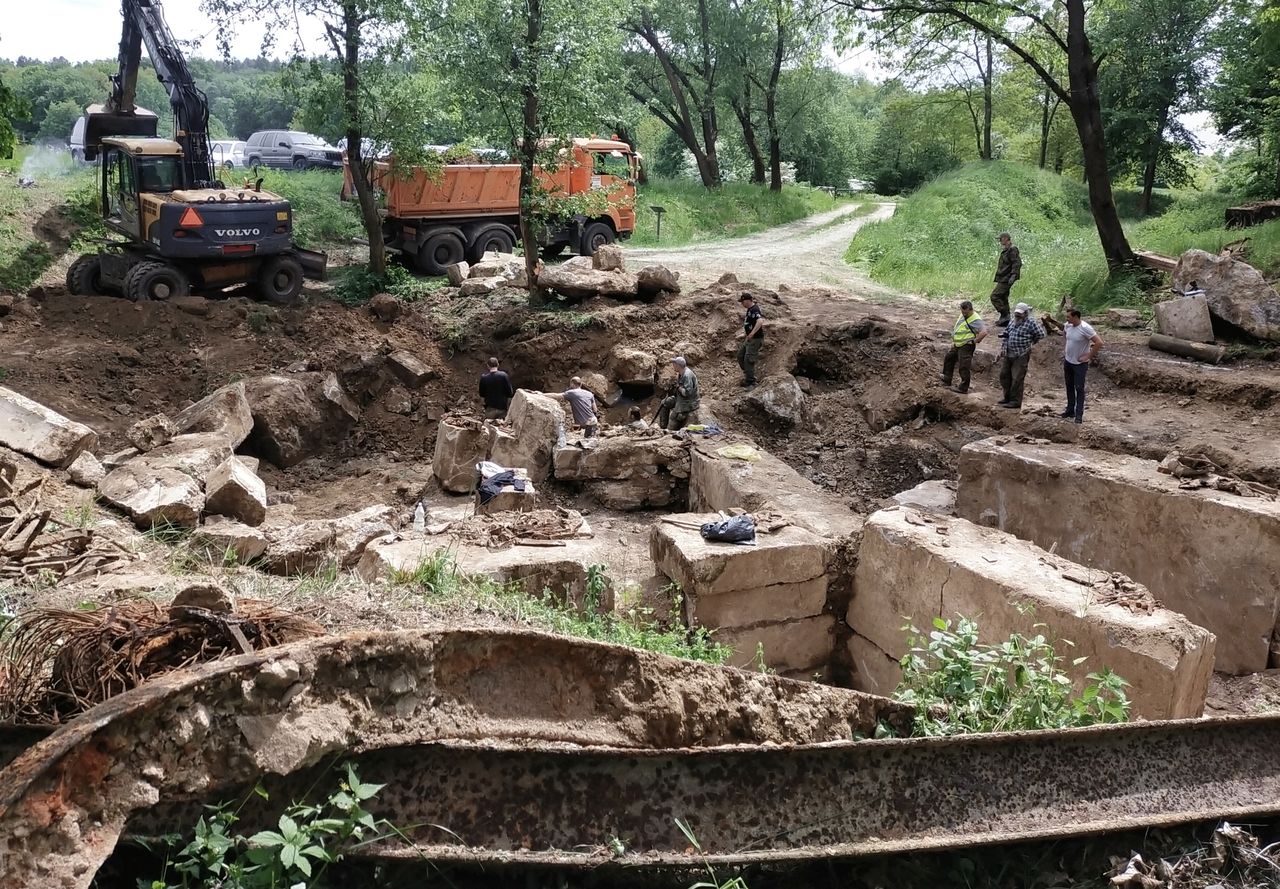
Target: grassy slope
942, 240
60, 188
695, 213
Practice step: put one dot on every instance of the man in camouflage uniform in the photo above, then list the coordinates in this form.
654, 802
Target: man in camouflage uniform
676, 409
1008, 270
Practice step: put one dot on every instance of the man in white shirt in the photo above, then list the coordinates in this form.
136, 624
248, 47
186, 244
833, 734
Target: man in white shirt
1083, 345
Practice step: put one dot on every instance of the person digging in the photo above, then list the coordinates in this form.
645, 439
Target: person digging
679, 406
1008, 271
582, 404
752, 339
1019, 338
965, 336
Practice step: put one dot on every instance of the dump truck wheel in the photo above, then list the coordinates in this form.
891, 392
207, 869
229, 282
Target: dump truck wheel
596, 236
155, 280
280, 280
498, 238
84, 278
438, 252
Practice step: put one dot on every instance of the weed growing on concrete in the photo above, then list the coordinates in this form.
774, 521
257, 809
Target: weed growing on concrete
307, 840
960, 685
714, 880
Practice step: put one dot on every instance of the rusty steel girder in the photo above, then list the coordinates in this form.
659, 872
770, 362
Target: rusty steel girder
197, 734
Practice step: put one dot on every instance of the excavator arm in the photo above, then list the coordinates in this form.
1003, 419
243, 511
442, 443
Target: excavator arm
144, 25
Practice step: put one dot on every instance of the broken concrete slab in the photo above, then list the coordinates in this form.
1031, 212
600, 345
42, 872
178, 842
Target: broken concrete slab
152, 432
650, 490
775, 603
654, 279
789, 555
458, 272
409, 369
794, 646
536, 422
461, 443
353, 533
909, 571
196, 454
936, 496
300, 548
226, 412
119, 458
1186, 318
1210, 555
220, 541
1235, 291
86, 471
608, 258
297, 416
575, 282
233, 489
480, 286
30, 428
1125, 319
154, 496
622, 457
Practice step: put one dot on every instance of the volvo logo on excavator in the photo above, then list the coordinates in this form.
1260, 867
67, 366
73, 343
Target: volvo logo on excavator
237, 232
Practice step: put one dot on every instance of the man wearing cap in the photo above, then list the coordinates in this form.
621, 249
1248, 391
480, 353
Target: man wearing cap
1083, 345
752, 339
1023, 333
677, 408
965, 336
1008, 270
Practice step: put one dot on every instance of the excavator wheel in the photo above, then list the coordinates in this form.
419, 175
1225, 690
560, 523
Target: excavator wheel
155, 280
280, 280
84, 278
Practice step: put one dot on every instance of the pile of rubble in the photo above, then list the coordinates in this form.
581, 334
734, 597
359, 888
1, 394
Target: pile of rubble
578, 278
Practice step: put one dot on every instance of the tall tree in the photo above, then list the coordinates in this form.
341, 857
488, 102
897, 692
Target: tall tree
1014, 24
1245, 100
361, 36
542, 70
674, 63
1157, 63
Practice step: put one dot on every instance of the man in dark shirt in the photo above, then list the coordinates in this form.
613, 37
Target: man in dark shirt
495, 389
1008, 270
752, 339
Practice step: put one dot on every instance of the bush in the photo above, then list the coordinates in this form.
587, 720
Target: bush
355, 285
960, 685
319, 217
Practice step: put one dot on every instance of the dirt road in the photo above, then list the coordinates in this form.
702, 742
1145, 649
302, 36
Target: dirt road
807, 252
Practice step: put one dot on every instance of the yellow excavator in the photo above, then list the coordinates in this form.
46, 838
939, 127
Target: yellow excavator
183, 229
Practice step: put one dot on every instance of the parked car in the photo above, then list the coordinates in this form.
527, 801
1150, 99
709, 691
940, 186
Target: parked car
228, 154
76, 141
286, 149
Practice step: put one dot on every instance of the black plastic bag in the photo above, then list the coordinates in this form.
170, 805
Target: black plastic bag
738, 529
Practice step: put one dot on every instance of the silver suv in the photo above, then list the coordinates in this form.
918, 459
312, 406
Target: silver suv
284, 149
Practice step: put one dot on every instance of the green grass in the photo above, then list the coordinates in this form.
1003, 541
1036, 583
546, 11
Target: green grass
319, 217
694, 213
61, 191
942, 240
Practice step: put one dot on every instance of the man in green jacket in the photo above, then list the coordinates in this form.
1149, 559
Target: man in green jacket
677, 408
1008, 271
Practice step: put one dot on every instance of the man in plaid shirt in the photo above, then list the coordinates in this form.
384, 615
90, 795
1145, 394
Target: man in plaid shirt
1019, 337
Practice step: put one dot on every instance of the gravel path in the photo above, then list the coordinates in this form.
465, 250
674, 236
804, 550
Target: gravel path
808, 252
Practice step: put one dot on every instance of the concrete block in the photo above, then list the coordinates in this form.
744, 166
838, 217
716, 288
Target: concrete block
790, 555
233, 489
535, 421
766, 604
409, 369
1187, 318
655, 490
31, 428
458, 272
216, 540
798, 645
1210, 555
460, 445
86, 471
154, 496
909, 571
225, 412
622, 457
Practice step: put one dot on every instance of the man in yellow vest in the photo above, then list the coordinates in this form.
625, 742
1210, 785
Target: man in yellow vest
965, 336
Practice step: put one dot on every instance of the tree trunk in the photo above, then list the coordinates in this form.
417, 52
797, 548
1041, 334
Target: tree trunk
988, 76
1153, 158
771, 101
355, 138
707, 107
1048, 110
1086, 111
531, 132
742, 110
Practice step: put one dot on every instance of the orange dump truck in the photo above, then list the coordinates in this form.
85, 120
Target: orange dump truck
469, 209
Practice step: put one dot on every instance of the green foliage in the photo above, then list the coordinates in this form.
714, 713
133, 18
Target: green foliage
319, 217
307, 839
713, 880
354, 285
695, 213
960, 685
437, 578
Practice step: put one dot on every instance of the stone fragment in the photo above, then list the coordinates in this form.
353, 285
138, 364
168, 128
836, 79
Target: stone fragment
1211, 555
220, 541
31, 428
780, 400
151, 433
233, 489
576, 282
298, 416
119, 458
620, 457
385, 307
352, 533
1235, 291
656, 279
226, 412
608, 258
301, 548
632, 367
508, 499
192, 305
207, 596
409, 369
458, 272
480, 286
536, 422
597, 385
1125, 318
86, 471
1186, 318
909, 572
936, 496
707, 568
196, 455
650, 490
460, 445
154, 496
804, 644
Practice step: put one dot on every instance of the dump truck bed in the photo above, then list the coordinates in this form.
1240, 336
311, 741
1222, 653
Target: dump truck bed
460, 190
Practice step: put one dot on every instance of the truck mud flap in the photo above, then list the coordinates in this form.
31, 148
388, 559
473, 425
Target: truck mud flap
315, 265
